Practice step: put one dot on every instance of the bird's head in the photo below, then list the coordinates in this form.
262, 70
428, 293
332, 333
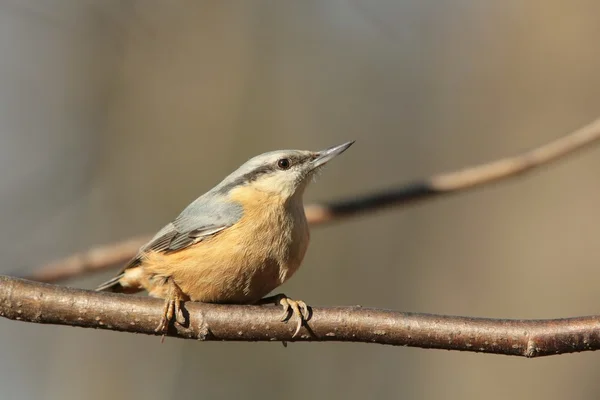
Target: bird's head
282, 172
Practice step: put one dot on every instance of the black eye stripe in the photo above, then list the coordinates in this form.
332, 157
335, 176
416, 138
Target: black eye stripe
295, 159
265, 169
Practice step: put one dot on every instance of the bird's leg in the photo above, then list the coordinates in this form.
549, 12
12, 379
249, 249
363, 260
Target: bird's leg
172, 308
296, 308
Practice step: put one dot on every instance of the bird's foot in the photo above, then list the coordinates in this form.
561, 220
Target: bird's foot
172, 309
296, 308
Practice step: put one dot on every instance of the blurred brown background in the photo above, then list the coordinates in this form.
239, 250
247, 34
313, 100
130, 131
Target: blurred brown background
115, 114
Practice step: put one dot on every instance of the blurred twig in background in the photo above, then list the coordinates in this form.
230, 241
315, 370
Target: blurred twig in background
49, 304
113, 255
97, 259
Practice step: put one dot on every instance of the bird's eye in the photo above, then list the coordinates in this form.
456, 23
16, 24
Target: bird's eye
283, 163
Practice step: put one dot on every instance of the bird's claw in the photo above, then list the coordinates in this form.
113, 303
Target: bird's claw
296, 308
162, 326
171, 311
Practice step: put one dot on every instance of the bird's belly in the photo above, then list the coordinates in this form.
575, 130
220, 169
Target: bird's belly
234, 282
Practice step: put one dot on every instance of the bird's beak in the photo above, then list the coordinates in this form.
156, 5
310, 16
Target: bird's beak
324, 156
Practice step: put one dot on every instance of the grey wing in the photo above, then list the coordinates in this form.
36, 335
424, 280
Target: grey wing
173, 237
201, 219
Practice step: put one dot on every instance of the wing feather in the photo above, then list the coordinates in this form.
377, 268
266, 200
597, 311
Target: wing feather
205, 217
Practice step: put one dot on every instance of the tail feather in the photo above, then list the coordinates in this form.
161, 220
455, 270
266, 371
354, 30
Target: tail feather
112, 285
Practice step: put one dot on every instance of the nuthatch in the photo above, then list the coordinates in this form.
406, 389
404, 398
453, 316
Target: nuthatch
234, 244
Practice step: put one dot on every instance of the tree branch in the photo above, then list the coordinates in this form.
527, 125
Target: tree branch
49, 304
115, 254
93, 260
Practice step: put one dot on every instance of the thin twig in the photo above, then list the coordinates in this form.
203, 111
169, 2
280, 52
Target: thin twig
115, 254
457, 181
49, 304
96, 259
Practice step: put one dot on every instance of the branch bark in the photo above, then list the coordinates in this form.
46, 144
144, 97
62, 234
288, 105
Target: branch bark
113, 255
49, 304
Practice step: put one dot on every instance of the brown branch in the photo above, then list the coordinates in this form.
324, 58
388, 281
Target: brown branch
96, 259
48, 304
457, 181
115, 254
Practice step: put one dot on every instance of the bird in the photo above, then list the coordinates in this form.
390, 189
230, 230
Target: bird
235, 243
